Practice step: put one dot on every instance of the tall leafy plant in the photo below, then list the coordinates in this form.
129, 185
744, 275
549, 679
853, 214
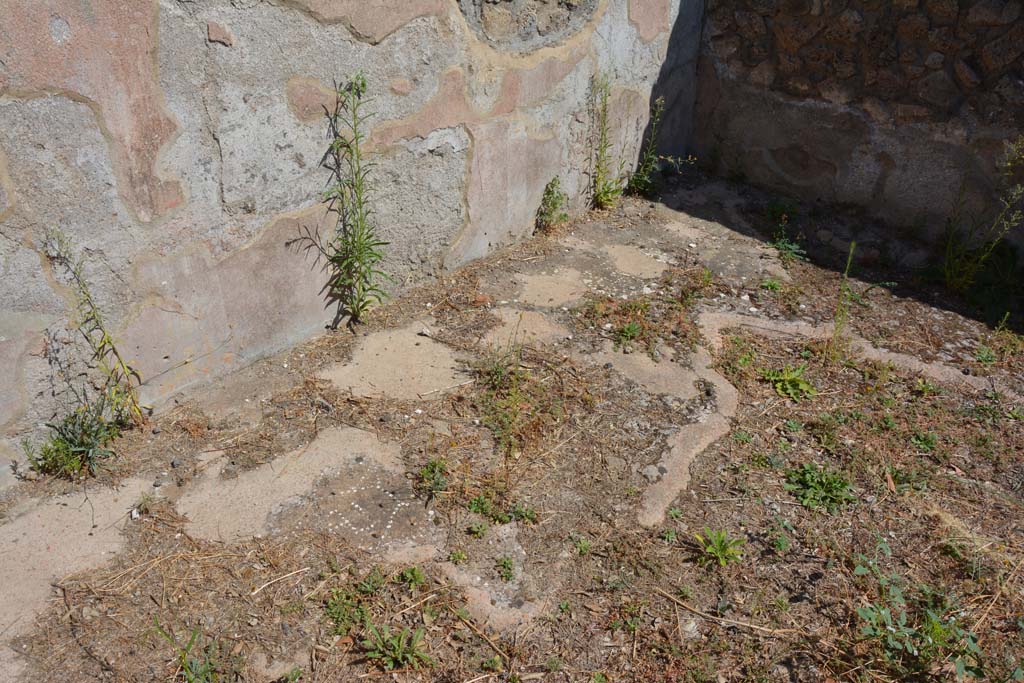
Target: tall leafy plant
354, 252
969, 249
119, 378
608, 183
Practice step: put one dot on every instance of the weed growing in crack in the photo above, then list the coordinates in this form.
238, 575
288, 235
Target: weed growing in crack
346, 610
838, 344
607, 183
716, 546
119, 379
781, 214
627, 333
582, 545
79, 440
789, 382
819, 488
484, 506
206, 665
413, 577
354, 252
517, 405
393, 650
1004, 342
457, 557
433, 477
985, 355
371, 583
968, 249
789, 250
551, 212
641, 181
505, 568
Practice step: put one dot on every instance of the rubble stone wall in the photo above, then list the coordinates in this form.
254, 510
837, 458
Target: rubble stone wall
894, 106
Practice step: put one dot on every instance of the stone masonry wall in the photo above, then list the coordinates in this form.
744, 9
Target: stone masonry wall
178, 141
892, 106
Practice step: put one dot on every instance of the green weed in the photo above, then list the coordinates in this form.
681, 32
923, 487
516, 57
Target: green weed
789, 382
914, 635
199, 666
521, 513
641, 182
77, 442
717, 546
819, 488
396, 650
433, 477
969, 249
372, 582
838, 344
354, 252
412, 577
516, 406
924, 441
626, 333
119, 379
552, 206
346, 610
505, 568
985, 355
607, 184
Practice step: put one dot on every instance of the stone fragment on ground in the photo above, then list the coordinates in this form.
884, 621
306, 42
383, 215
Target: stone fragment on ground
497, 604
664, 377
399, 363
688, 443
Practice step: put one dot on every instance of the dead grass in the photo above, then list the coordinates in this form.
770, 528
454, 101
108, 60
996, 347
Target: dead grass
935, 473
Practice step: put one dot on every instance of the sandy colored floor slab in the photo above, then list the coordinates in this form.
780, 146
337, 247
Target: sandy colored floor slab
55, 538
630, 260
231, 510
563, 287
665, 377
684, 447
689, 442
524, 327
398, 363
371, 503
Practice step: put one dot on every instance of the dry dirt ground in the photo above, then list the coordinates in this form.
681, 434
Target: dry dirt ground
634, 449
